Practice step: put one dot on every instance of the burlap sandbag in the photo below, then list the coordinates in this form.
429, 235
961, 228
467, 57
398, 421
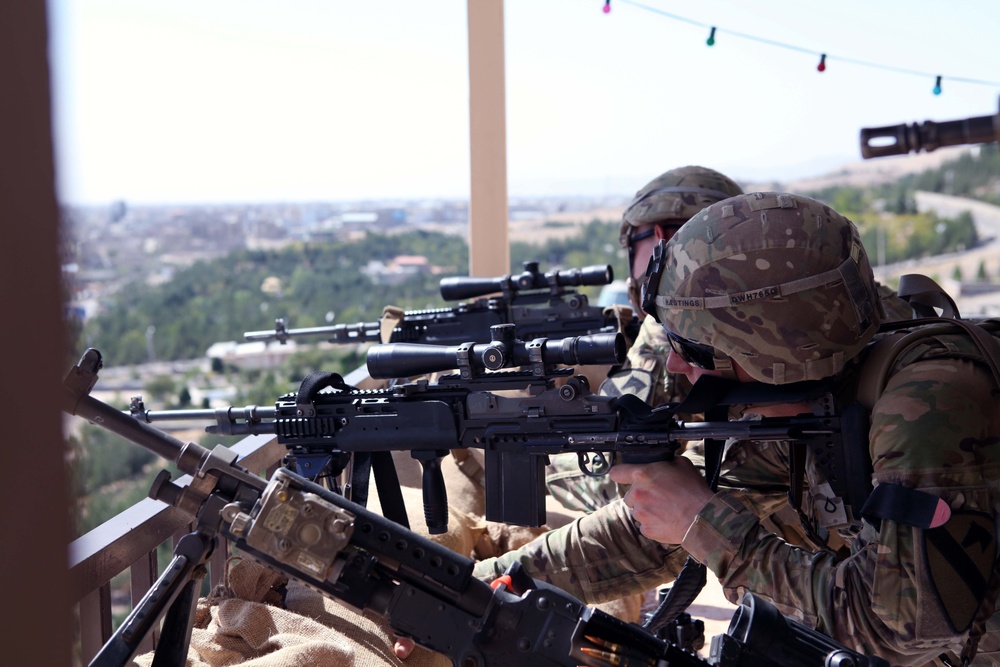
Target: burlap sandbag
258, 618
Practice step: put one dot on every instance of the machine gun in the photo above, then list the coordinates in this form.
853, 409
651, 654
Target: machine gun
538, 304
929, 135
462, 410
370, 563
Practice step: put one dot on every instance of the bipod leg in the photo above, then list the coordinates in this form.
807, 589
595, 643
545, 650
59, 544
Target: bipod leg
175, 594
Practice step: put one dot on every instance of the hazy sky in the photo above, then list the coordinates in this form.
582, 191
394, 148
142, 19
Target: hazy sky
160, 101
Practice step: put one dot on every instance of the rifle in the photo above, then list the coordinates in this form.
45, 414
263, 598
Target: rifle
461, 410
902, 139
368, 562
538, 304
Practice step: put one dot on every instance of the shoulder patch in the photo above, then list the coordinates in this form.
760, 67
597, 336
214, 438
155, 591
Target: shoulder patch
635, 381
961, 556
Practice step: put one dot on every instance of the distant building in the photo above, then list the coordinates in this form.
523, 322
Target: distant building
399, 269
410, 264
256, 355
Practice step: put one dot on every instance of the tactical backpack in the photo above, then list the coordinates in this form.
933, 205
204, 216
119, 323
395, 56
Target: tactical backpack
969, 576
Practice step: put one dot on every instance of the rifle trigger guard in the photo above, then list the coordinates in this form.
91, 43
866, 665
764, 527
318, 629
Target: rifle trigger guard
594, 464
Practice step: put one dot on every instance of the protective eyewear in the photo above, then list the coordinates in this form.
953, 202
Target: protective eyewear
696, 354
631, 246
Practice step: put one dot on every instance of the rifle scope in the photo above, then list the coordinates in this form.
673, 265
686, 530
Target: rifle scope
467, 287
902, 139
399, 360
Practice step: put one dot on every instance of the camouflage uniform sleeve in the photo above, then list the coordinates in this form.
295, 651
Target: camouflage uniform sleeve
603, 556
935, 428
598, 557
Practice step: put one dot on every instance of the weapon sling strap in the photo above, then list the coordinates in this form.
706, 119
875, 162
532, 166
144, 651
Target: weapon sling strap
365, 463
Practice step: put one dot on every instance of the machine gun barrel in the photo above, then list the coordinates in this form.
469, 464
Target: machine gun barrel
929, 135
360, 332
250, 414
456, 288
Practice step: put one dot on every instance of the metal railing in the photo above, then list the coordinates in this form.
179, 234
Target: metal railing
129, 542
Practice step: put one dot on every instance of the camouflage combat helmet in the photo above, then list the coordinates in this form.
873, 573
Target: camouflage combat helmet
778, 283
676, 195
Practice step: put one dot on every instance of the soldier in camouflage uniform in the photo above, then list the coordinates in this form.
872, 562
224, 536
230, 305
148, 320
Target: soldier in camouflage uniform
656, 212
778, 289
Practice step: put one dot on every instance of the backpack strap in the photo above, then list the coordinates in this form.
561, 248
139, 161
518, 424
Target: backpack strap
883, 354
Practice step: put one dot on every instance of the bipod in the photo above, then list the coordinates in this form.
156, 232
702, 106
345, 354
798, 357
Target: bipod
173, 597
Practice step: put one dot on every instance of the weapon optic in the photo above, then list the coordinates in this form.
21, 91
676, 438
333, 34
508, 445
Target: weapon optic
319, 427
370, 563
538, 304
531, 279
929, 135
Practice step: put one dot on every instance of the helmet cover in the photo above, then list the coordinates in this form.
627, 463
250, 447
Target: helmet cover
780, 283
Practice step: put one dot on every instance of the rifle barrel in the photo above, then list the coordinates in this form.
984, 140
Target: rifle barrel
163, 445
929, 135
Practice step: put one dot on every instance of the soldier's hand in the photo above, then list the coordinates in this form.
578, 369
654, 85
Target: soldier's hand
665, 497
403, 647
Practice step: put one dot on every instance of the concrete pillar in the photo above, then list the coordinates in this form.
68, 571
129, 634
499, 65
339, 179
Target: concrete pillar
489, 248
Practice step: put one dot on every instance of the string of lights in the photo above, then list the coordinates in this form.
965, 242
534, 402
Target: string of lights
823, 57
